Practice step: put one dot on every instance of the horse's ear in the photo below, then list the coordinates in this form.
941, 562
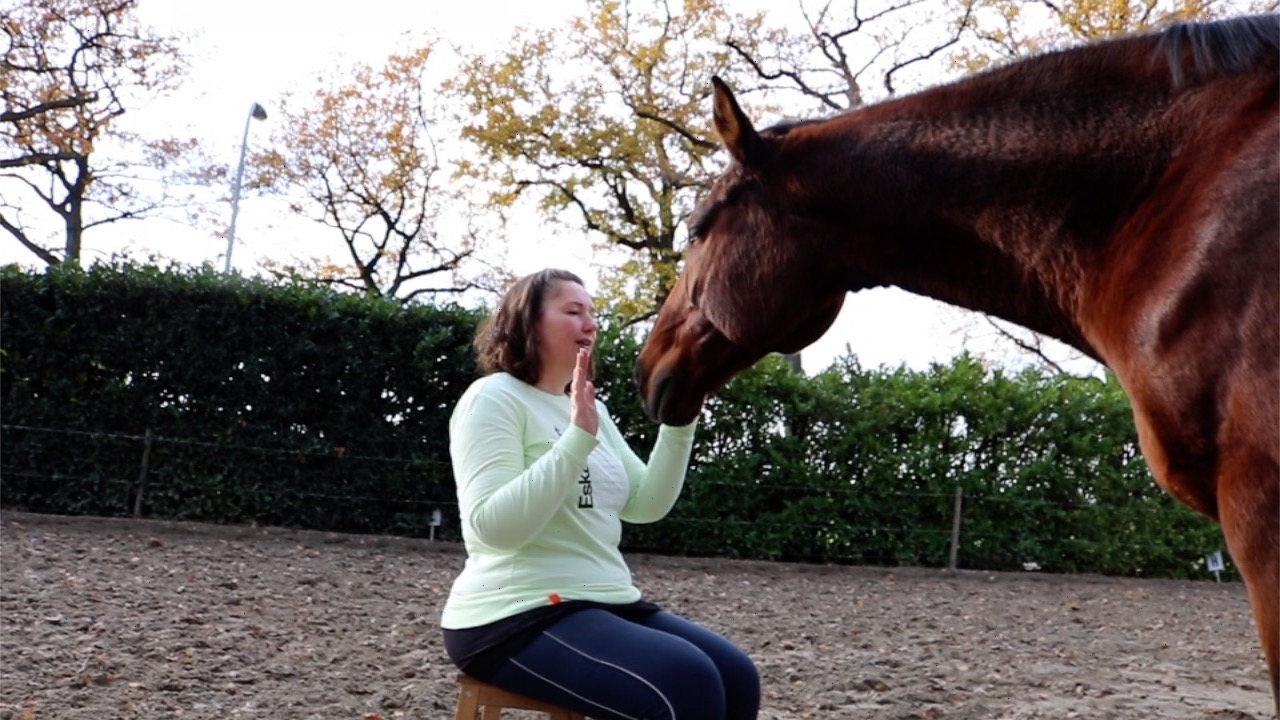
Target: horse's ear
734, 127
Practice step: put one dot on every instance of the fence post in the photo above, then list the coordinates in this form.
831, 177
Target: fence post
142, 474
955, 530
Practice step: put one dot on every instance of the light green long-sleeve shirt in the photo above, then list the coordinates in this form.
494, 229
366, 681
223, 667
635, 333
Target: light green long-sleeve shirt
542, 501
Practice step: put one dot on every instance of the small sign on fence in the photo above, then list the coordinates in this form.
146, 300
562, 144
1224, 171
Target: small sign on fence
1214, 563
437, 518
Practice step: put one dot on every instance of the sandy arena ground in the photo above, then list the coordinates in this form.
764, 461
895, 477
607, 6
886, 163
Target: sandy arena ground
106, 619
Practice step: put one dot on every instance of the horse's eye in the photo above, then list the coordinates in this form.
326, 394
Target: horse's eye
699, 224
697, 228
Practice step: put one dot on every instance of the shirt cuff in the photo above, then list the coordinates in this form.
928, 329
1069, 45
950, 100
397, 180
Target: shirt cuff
681, 432
578, 442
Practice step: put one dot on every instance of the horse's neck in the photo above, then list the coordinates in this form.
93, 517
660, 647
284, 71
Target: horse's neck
996, 207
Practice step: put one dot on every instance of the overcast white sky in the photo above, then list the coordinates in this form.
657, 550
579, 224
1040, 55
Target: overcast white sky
247, 51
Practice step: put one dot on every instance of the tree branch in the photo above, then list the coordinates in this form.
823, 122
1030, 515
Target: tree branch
40, 159
48, 257
42, 108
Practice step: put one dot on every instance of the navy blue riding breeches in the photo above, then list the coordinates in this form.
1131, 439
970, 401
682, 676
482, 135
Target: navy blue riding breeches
658, 666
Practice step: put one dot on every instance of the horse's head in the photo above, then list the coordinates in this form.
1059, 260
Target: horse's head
753, 282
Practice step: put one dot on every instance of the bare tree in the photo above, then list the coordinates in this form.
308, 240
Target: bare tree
363, 157
848, 54
70, 69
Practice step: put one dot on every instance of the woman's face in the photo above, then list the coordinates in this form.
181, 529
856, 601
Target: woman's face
568, 323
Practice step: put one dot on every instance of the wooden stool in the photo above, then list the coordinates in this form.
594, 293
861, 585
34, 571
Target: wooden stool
475, 694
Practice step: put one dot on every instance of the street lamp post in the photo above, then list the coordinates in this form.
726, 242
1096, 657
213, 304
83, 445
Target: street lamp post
256, 112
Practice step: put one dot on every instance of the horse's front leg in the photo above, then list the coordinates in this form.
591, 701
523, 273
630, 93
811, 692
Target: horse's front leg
1249, 508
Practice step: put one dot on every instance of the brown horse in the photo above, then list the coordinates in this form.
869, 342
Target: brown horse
1122, 197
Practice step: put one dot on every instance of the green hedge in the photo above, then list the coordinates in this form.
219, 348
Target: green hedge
252, 402
862, 467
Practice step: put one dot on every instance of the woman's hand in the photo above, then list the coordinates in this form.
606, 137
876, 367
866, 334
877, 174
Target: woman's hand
582, 395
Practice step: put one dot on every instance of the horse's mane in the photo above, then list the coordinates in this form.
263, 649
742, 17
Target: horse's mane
1179, 54
1216, 47
1220, 46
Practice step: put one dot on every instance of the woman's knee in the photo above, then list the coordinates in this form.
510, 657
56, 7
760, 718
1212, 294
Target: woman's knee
726, 687
690, 687
740, 679
739, 670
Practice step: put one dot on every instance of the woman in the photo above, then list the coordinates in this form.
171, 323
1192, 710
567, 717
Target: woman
545, 605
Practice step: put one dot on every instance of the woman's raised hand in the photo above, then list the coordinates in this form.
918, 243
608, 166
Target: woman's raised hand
582, 395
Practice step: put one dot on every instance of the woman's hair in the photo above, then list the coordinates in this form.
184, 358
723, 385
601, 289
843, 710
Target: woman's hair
507, 340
